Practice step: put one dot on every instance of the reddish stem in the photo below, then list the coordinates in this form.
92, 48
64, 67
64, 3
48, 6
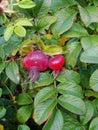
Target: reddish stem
55, 73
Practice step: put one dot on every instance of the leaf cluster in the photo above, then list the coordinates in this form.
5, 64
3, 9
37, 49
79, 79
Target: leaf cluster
67, 102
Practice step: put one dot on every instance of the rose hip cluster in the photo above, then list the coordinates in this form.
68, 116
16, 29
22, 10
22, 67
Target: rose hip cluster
37, 61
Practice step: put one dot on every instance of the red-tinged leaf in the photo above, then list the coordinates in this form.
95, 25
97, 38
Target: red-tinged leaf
43, 110
55, 122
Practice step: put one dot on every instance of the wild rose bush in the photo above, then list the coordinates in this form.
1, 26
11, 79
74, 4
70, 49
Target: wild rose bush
59, 99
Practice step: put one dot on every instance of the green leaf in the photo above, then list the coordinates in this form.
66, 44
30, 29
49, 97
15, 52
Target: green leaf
93, 13
88, 14
91, 93
72, 125
20, 31
95, 104
2, 112
84, 15
68, 75
2, 66
43, 110
24, 113
82, 3
62, 3
94, 27
94, 124
89, 41
12, 72
26, 4
85, 72
71, 88
45, 79
2, 40
96, 2
8, 32
89, 113
72, 103
10, 46
3, 19
0, 92
2, 53
2, 29
45, 22
24, 99
71, 122
90, 55
23, 22
74, 49
77, 30
44, 94
42, 7
94, 81
64, 22
23, 127
55, 122
53, 49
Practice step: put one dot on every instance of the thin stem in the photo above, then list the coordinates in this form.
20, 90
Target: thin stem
9, 90
54, 76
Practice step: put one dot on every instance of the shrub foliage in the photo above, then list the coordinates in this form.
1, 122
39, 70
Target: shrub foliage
67, 102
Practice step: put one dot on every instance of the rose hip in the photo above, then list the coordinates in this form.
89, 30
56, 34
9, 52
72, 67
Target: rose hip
56, 62
35, 62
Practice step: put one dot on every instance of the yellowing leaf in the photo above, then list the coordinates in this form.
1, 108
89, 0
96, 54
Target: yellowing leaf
23, 22
27, 41
62, 41
8, 32
26, 4
20, 31
53, 49
1, 127
48, 36
26, 49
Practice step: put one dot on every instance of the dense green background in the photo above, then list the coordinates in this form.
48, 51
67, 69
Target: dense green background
67, 27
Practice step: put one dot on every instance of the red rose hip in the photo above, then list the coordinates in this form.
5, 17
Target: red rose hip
56, 62
35, 62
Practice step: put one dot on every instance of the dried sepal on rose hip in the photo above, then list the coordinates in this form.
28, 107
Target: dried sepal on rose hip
56, 64
35, 62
